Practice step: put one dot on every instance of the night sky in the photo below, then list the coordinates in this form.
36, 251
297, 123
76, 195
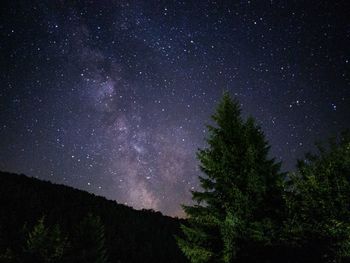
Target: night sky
112, 97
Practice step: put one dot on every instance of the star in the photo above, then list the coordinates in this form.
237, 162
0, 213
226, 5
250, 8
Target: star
114, 98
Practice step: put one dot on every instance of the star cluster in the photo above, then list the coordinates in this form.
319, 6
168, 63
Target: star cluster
113, 96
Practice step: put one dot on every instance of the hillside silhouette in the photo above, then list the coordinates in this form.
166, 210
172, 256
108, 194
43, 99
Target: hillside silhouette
130, 235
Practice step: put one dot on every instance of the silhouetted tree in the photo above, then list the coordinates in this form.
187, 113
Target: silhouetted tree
45, 244
89, 242
239, 211
318, 198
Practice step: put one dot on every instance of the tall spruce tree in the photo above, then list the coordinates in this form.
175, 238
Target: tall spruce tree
237, 214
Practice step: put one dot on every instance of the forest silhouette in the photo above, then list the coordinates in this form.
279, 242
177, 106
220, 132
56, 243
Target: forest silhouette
247, 210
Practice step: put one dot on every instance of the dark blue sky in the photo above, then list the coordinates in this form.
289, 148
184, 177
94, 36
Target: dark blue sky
113, 96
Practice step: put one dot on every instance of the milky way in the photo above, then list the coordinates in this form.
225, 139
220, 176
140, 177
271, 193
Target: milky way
113, 96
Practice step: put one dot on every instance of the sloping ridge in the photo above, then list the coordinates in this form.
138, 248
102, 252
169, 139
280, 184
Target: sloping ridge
131, 235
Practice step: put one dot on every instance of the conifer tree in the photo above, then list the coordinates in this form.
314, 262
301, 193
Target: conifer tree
237, 213
46, 244
319, 204
89, 243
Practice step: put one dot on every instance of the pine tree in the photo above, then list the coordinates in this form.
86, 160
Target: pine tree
89, 243
319, 204
238, 212
45, 244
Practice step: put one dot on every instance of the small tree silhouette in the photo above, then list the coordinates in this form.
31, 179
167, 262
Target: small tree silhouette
45, 244
89, 243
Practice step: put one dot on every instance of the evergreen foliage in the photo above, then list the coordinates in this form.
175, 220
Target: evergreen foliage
238, 214
247, 211
44, 244
319, 204
89, 244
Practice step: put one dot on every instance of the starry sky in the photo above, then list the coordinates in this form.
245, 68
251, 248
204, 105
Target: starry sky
113, 97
